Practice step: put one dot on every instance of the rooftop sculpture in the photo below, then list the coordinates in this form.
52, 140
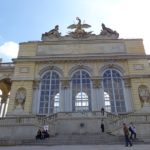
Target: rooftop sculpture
79, 32
54, 33
108, 32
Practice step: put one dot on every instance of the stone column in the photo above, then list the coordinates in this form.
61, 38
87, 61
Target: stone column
97, 97
65, 101
128, 95
35, 100
3, 105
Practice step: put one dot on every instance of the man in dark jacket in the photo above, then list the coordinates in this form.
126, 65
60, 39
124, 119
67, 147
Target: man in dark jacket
126, 135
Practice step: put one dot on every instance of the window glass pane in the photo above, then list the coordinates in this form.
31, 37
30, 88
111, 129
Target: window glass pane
113, 95
81, 91
49, 93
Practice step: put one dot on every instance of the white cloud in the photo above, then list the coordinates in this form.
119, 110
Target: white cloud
9, 50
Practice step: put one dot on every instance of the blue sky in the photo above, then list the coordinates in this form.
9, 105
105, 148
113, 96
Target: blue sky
26, 20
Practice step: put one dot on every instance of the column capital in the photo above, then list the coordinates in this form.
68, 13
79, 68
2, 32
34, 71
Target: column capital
36, 83
127, 82
65, 82
96, 82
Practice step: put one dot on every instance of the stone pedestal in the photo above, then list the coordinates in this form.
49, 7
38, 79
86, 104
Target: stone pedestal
145, 108
17, 112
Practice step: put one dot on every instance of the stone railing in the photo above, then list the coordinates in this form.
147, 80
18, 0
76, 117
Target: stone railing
7, 64
116, 122
21, 120
82, 114
113, 122
41, 120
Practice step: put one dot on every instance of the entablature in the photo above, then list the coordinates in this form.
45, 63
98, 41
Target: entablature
77, 57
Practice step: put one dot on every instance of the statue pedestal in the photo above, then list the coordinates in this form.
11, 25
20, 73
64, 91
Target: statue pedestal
145, 108
18, 111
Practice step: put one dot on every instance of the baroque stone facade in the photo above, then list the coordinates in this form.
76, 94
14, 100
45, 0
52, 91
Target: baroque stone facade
77, 73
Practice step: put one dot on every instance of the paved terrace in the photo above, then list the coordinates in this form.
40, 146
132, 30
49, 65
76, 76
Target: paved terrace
78, 147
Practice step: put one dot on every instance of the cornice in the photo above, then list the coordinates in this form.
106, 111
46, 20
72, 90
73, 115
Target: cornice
85, 57
22, 79
67, 40
136, 76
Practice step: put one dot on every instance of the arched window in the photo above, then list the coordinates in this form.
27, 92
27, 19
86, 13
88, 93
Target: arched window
113, 91
81, 91
49, 93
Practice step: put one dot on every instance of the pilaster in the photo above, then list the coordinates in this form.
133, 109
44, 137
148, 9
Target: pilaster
35, 102
97, 98
65, 101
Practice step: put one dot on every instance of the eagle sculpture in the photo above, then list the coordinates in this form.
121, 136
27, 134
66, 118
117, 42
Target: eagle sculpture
79, 32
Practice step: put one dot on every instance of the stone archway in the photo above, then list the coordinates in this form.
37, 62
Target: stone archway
5, 86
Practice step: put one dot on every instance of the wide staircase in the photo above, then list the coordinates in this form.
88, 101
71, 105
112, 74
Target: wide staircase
110, 136
114, 123
75, 139
81, 139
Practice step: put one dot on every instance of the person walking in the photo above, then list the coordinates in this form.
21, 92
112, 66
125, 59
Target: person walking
126, 135
102, 111
102, 127
132, 130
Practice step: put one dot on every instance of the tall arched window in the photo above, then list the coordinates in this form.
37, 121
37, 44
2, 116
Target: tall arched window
81, 91
49, 93
113, 91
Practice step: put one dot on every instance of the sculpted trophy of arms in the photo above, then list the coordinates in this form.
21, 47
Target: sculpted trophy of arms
79, 32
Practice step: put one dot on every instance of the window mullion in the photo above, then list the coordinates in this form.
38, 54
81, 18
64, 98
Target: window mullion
49, 105
112, 80
81, 86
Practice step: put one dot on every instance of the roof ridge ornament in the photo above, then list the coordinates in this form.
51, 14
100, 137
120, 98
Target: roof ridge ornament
53, 33
108, 32
79, 31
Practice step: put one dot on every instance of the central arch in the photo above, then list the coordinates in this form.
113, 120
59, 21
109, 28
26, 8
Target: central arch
81, 91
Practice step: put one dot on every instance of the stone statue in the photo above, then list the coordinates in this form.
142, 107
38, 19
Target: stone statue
144, 94
79, 32
54, 33
20, 98
108, 32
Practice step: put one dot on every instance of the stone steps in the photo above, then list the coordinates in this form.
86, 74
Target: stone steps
77, 139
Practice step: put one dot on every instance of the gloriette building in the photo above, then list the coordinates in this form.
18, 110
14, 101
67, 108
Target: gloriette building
64, 81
